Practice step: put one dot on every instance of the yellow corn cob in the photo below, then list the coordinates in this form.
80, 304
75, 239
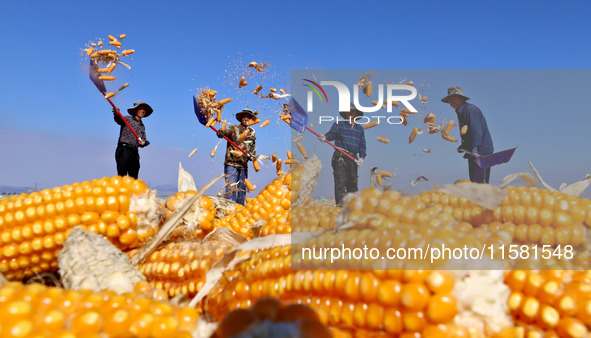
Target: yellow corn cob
180, 268
242, 82
265, 123
102, 70
255, 164
106, 52
94, 55
292, 161
209, 122
376, 302
551, 300
278, 166
430, 118
368, 89
413, 134
289, 155
127, 52
406, 112
109, 95
464, 130
272, 205
212, 154
370, 125
34, 226
38, 310
448, 138
448, 128
272, 90
125, 85
315, 216
122, 36
115, 43
303, 151
249, 185
223, 102
193, 152
112, 38
257, 89
298, 139
111, 67
382, 139
197, 222
106, 78
100, 43
244, 134
224, 125
89, 51
385, 173
253, 121
379, 180
274, 158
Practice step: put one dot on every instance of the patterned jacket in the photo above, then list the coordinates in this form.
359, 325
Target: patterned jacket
235, 157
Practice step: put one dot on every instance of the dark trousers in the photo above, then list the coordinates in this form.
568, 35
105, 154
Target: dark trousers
345, 176
128, 161
477, 174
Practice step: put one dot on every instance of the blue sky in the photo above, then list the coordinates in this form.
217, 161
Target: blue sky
56, 129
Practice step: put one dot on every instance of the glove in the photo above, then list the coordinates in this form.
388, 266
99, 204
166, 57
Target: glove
220, 134
322, 138
359, 162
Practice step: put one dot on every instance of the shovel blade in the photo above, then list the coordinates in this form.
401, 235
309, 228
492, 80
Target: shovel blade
299, 118
198, 112
94, 77
487, 161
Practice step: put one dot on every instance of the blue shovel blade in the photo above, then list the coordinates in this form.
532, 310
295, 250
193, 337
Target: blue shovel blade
94, 76
202, 119
299, 118
487, 161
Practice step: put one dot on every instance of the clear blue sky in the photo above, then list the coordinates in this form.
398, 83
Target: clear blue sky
56, 129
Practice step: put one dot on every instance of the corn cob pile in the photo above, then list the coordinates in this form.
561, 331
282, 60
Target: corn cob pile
35, 310
197, 222
272, 206
34, 226
366, 298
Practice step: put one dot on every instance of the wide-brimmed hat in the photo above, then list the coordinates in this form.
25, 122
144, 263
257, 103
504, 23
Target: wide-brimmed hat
245, 112
136, 105
353, 109
454, 91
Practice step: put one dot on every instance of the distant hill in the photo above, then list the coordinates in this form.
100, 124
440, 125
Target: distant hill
6, 189
166, 189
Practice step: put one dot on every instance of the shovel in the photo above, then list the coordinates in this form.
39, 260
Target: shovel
203, 120
299, 122
100, 85
487, 161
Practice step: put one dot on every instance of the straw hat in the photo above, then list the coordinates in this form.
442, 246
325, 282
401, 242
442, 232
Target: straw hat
136, 105
454, 91
351, 108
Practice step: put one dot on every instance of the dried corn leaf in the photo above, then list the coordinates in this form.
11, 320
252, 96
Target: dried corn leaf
185, 180
527, 178
486, 195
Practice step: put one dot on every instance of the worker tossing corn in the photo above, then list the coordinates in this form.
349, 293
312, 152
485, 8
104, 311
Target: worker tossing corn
126, 154
236, 163
349, 137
